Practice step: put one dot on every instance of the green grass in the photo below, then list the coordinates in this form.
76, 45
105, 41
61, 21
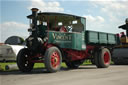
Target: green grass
36, 65
2, 65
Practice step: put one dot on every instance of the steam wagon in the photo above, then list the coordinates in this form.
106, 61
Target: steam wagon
57, 37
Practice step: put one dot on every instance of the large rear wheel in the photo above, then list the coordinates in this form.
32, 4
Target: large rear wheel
23, 62
53, 59
103, 58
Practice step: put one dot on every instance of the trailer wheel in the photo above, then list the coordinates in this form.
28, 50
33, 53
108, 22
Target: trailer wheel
73, 64
53, 59
23, 62
103, 58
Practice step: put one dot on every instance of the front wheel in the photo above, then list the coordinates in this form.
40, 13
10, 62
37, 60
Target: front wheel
23, 62
103, 58
53, 59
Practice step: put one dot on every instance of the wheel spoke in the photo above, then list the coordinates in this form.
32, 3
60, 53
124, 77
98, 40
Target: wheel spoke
26, 62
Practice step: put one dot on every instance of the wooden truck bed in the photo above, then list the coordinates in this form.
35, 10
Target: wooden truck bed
100, 38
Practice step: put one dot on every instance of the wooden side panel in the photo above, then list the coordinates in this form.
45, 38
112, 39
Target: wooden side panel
100, 38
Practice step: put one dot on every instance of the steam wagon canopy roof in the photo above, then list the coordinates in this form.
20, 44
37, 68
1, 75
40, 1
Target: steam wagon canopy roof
46, 14
79, 23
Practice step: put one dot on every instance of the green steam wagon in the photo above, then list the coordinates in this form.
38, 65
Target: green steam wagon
57, 37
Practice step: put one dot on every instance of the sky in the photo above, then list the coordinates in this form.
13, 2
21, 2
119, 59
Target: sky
101, 15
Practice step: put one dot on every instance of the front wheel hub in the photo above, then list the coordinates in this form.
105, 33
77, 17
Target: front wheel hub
55, 59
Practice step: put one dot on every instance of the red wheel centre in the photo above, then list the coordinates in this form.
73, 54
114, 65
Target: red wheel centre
55, 59
106, 58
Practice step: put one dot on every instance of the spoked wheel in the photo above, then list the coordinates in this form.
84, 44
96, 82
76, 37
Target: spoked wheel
73, 64
103, 58
23, 61
53, 59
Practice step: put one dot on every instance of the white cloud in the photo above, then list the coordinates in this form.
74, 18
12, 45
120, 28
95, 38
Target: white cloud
118, 7
101, 19
13, 25
94, 22
13, 28
98, 23
44, 6
105, 0
113, 13
113, 9
93, 19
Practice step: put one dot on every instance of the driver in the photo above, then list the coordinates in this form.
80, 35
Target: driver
63, 29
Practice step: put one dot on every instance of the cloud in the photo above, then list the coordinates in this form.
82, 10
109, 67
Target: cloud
13, 28
117, 8
106, 0
94, 22
93, 19
13, 25
113, 9
44, 6
98, 23
112, 13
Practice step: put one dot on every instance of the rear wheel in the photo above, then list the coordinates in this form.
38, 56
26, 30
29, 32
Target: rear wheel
103, 58
53, 59
23, 62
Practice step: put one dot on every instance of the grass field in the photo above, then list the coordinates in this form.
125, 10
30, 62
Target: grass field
36, 65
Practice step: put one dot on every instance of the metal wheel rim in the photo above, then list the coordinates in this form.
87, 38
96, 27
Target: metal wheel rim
106, 58
55, 59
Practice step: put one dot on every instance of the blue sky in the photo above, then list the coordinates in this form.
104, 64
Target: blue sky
101, 15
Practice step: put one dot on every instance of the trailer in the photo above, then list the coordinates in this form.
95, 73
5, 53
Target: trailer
120, 51
58, 37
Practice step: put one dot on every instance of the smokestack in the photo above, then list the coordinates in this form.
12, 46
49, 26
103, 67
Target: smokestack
34, 18
34, 11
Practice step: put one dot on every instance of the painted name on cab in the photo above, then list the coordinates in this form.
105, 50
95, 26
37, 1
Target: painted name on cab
62, 36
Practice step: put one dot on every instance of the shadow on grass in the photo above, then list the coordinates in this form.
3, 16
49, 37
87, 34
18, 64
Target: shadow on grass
17, 72
43, 70
34, 71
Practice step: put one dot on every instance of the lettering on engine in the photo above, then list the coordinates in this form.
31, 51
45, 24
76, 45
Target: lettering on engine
64, 37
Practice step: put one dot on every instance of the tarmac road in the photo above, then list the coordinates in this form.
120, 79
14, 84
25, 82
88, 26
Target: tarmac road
85, 75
